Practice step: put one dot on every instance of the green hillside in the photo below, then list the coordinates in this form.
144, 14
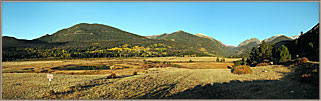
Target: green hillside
85, 35
195, 43
96, 40
90, 32
243, 51
12, 42
279, 39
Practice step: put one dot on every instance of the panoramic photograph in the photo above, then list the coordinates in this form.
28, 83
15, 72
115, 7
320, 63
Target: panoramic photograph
160, 50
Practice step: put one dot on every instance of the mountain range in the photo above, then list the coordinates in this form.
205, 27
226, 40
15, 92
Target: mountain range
89, 35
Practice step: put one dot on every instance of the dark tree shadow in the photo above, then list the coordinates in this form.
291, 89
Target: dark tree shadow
285, 88
160, 91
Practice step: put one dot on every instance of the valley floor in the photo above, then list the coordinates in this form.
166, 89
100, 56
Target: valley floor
266, 82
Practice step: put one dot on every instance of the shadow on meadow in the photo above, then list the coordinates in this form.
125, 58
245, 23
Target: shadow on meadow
291, 86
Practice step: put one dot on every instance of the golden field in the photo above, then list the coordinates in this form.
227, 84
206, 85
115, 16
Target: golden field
200, 79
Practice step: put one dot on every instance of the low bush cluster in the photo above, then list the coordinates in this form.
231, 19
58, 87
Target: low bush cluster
112, 75
134, 73
95, 67
262, 64
303, 60
158, 64
154, 65
239, 63
242, 69
150, 62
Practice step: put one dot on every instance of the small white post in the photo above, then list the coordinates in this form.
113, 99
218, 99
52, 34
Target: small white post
49, 76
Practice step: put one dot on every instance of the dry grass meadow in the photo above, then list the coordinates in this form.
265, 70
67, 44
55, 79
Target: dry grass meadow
201, 79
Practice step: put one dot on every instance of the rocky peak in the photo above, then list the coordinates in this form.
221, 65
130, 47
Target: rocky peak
273, 37
295, 37
180, 31
204, 36
249, 41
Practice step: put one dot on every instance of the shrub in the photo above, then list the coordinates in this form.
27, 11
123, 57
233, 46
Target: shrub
134, 72
238, 63
175, 65
190, 60
44, 71
147, 66
154, 61
51, 92
167, 62
164, 62
112, 75
112, 67
302, 60
305, 60
243, 69
262, 64
229, 67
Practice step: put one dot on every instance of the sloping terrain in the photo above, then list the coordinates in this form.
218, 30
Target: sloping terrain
85, 35
245, 47
14, 42
197, 43
279, 39
307, 45
90, 32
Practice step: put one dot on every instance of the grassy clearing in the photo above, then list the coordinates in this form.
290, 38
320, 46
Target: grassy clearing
132, 81
32, 85
69, 67
61, 66
158, 83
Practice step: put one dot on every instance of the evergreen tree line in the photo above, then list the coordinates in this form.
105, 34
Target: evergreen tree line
13, 53
307, 45
266, 53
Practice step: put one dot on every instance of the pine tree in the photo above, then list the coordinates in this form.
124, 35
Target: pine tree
260, 54
282, 54
223, 59
217, 59
265, 51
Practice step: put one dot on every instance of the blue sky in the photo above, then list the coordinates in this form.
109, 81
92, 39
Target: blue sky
229, 22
